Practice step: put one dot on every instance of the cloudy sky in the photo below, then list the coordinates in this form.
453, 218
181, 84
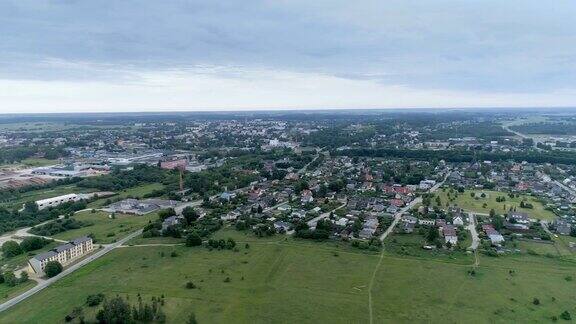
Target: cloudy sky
140, 55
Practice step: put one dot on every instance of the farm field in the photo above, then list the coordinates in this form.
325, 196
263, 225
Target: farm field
476, 204
105, 229
278, 280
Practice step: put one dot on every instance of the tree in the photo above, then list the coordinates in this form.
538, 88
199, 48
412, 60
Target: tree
23, 277
30, 207
165, 213
52, 268
566, 315
432, 234
11, 249
190, 214
115, 310
193, 239
32, 243
10, 279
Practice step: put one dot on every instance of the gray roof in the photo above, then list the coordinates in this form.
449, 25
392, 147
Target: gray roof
63, 247
80, 240
45, 255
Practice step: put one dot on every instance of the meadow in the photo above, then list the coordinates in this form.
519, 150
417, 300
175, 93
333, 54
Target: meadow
106, 229
286, 280
483, 205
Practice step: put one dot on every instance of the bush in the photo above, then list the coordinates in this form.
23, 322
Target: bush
94, 300
52, 268
193, 239
566, 315
190, 285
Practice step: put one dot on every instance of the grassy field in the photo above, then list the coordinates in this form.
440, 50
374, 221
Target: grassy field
469, 203
7, 292
105, 229
290, 281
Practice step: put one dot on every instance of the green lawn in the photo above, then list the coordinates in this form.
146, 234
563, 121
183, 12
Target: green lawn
38, 162
466, 201
106, 229
292, 281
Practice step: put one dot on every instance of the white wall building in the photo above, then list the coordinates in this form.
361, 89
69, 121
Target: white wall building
55, 201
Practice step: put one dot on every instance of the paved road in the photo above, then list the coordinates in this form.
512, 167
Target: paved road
406, 208
99, 253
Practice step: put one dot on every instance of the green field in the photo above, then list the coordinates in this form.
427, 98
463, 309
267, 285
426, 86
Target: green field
291, 281
467, 202
105, 229
7, 292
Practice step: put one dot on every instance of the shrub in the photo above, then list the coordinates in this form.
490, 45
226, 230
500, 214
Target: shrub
94, 300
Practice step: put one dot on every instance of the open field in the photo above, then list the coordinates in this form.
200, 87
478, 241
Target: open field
278, 280
467, 202
105, 229
409, 291
7, 292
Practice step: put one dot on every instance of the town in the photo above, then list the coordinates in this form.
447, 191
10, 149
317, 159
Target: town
478, 192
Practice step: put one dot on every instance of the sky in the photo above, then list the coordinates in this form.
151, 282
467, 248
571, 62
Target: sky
144, 55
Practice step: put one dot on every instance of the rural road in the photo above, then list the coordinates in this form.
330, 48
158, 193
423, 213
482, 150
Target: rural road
314, 221
472, 228
406, 208
99, 253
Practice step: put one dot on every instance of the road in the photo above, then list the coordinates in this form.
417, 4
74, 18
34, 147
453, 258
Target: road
472, 228
99, 253
314, 221
535, 144
23, 232
406, 208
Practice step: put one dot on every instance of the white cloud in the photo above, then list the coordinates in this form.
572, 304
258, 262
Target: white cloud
239, 88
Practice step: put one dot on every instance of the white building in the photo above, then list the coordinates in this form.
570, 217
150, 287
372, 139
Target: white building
52, 202
64, 254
